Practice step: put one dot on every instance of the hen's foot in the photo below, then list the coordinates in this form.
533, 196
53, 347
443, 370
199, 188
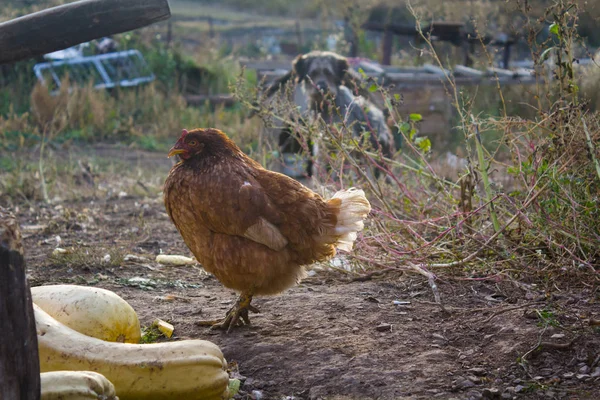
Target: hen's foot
236, 316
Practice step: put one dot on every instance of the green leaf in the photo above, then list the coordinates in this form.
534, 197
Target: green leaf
415, 117
396, 96
234, 387
404, 127
373, 88
555, 29
424, 144
546, 54
513, 170
413, 132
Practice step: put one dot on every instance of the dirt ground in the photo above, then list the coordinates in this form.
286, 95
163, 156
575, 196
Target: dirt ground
331, 337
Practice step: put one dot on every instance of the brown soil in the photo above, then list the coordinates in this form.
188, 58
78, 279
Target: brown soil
330, 337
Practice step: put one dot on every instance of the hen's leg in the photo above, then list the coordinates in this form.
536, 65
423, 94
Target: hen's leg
232, 318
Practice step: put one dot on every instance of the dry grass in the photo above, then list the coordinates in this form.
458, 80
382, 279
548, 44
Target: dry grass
524, 207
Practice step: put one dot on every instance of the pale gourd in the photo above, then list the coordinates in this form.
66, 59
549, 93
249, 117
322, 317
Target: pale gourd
92, 311
76, 385
183, 370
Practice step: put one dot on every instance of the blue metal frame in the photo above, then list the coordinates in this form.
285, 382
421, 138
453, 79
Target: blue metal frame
98, 62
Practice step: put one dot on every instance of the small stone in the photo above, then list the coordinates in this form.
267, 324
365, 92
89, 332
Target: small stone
510, 389
516, 381
550, 394
478, 371
558, 336
474, 395
582, 377
355, 329
506, 395
491, 393
473, 378
383, 327
584, 370
568, 375
596, 372
257, 395
519, 388
466, 384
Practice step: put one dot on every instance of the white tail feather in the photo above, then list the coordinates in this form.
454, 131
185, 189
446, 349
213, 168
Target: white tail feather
353, 210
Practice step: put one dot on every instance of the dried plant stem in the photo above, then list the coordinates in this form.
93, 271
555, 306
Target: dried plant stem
491, 239
41, 169
431, 280
591, 147
485, 177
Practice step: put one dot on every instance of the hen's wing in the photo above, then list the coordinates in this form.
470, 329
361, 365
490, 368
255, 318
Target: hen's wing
228, 201
257, 210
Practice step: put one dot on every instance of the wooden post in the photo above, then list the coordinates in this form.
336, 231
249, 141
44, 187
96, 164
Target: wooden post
351, 37
70, 24
388, 40
19, 359
169, 34
506, 55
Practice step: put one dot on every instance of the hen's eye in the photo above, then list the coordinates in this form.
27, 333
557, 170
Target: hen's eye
193, 143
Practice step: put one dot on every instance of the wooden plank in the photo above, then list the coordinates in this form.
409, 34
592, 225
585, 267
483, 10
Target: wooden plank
70, 24
19, 360
464, 70
268, 65
213, 100
501, 72
434, 69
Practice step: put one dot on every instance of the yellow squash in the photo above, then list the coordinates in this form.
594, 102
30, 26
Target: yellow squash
92, 311
76, 385
183, 370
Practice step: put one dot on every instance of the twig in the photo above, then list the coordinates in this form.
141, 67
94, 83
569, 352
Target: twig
371, 275
556, 346
531, 350
507, 310
432, 284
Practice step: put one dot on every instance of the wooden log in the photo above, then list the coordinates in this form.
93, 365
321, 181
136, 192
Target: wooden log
19, 360
70, 24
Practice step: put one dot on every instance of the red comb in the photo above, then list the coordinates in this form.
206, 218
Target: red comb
184, 132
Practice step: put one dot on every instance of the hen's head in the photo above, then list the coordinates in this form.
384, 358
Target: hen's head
203, 142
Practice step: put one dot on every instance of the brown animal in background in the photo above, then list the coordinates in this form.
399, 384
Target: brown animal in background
252, 228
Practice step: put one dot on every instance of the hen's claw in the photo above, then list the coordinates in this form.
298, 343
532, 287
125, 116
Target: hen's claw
232, 318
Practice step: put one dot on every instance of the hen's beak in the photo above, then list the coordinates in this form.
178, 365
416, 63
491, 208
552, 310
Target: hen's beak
174, 151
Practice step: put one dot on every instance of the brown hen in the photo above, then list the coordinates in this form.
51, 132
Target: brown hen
252, 228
